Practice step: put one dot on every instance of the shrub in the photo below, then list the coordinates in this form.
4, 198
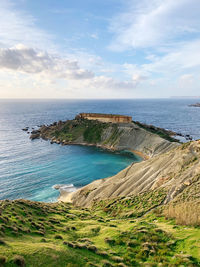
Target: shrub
3, 260
109, 241
92, 248
102, 253
106, 263
117, 259
58, 237
2, 242
19, 260
96, 230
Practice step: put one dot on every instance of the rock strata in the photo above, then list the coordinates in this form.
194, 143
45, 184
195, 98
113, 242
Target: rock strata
174, 170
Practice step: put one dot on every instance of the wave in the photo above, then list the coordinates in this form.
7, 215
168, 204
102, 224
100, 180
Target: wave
65, 187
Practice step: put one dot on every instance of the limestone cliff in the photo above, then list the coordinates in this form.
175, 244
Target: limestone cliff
175, 170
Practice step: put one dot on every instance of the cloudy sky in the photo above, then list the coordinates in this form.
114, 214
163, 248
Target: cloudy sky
99, 48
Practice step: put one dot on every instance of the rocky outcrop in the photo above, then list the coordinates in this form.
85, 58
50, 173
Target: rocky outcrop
35, 134
197, 105
174, 170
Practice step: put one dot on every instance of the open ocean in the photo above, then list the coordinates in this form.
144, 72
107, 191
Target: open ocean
30, 169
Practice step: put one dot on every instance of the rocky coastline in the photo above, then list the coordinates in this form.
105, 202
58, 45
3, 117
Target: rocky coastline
141, 139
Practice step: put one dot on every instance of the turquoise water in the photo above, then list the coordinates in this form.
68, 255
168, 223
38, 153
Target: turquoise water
32, 176
30, 169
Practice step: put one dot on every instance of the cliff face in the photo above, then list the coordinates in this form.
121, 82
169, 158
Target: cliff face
175, 171
116, 136
132, 137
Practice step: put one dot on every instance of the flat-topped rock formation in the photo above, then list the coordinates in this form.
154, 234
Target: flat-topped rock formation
105, 117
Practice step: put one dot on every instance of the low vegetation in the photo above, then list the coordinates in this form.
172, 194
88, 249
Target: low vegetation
72, 130
133, 206
159, 131
123, 232
93, 132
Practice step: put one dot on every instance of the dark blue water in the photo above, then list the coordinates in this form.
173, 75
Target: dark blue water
29, 169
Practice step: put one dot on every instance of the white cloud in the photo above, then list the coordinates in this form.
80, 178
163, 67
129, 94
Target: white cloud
29, 60
94, 36
34, 68
110, 83
186, 81
177, 60
157, 22
138, 78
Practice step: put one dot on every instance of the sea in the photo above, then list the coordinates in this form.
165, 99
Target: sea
33, 169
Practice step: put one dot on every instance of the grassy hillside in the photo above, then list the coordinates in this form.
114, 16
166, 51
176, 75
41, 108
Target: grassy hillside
166, 134
70, 131
122, 232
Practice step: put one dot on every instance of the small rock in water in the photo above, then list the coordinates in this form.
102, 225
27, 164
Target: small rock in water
25, 129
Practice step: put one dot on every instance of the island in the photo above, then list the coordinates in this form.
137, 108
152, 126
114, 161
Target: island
197, 105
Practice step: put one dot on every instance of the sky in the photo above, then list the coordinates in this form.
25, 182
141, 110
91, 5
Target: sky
99, 48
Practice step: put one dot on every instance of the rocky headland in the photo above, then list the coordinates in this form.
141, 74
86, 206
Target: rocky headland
144, 140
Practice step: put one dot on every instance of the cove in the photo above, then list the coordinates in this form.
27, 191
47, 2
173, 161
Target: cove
35, 174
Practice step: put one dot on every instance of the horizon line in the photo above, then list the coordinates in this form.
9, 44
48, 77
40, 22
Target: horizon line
170, 97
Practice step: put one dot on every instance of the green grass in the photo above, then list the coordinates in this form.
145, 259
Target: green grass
60, 234
131, 207
91, 131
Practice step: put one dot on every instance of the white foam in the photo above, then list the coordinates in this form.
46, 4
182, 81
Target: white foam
65, 187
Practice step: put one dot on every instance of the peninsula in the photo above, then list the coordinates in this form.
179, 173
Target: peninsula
113, 132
